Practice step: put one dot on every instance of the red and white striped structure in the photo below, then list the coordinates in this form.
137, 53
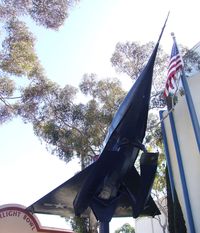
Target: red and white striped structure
175, 66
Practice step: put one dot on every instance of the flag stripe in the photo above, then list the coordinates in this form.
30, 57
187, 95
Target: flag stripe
175, 65
174, 59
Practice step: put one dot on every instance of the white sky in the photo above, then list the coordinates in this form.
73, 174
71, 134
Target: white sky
84, 45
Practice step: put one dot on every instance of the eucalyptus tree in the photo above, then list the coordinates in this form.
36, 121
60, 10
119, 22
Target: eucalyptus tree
126, 228
50, 14
71, 128
129, 58
22, 78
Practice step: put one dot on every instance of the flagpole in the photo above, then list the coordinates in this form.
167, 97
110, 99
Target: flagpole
190, 103
167, 155
163, 28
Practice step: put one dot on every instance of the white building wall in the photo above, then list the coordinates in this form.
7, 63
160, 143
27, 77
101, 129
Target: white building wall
189, 151
190, 156
150, 225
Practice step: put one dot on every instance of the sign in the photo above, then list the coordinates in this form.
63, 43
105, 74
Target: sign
16, 219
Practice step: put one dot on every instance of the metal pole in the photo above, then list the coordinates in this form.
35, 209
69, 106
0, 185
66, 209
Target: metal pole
167, 155
104, 227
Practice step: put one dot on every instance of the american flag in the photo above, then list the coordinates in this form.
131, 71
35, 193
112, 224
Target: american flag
175, 65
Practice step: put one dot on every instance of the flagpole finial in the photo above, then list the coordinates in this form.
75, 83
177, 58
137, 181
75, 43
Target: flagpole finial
173, 35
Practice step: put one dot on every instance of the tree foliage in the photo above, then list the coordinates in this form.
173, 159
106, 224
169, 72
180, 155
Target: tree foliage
24, 86
191, 60
18, 56
126, 228
130, 57
79, 225
159, 192
78, 129
18, 61
50, 14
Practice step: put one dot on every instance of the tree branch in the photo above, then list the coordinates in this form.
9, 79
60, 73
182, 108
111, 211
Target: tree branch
5, 103
79, 131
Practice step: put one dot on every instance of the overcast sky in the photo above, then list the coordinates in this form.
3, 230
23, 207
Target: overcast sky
83, 45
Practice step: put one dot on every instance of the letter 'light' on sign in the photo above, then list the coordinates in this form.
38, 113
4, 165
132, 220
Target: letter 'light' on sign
16, 219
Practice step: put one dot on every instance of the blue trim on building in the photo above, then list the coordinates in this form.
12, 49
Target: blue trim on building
182, 175
167, 155
192, 111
